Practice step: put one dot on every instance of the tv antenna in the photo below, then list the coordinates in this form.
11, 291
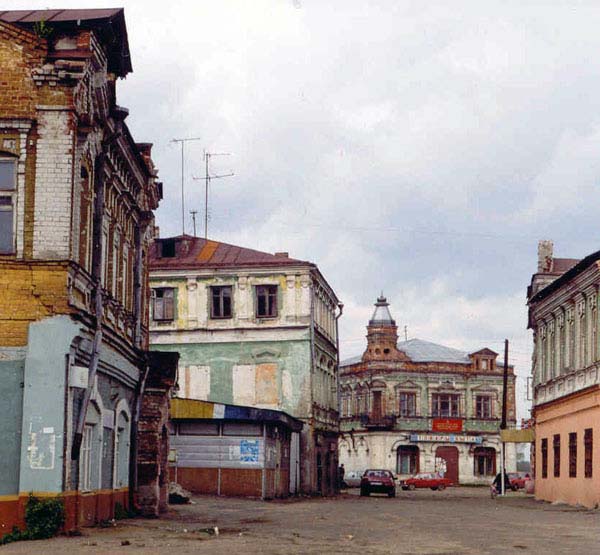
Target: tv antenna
207, 179
182, 142
193, 213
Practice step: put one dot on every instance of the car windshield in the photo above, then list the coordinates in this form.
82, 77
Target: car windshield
377, 474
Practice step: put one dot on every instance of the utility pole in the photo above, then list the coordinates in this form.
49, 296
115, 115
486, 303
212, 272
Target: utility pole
193, 213
503, 423
405, 333
182, 142
207, 178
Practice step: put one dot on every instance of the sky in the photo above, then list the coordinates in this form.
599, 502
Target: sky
416, 148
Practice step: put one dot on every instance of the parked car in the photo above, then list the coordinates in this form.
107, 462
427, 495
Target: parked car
352, 478
378, 481
430, 480
518, 479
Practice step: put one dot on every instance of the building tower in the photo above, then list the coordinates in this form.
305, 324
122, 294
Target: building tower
382, 335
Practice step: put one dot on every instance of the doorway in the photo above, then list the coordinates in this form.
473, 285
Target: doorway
446, 462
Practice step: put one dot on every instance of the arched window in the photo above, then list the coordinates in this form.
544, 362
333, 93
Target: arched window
122, 451
91, 450
8, 194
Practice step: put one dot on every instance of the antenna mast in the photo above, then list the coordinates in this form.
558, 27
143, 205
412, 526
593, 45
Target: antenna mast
182, 142
193, 213
207, 178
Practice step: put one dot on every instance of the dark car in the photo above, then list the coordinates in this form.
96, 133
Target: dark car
378, 481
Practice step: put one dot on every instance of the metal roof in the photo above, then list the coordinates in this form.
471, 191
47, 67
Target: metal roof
423, 351
108, 25
196, 253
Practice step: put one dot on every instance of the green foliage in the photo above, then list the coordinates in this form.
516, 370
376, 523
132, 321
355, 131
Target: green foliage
43, 519
42, 29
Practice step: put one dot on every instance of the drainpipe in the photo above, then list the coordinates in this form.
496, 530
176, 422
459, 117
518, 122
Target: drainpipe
337, 347
133, 442
312, 363
98, 304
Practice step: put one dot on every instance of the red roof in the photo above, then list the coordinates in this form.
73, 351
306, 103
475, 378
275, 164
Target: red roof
561, 265
187, 252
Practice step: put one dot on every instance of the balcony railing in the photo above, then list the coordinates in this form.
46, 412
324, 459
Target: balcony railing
377, 421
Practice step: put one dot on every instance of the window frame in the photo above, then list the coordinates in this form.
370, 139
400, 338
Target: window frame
271, 291
588, 452
483, 407
544, 456
488, 455
453, 400
11, 194
155, 302
407, 404
572, 454
220, 289
85, 467
556, 455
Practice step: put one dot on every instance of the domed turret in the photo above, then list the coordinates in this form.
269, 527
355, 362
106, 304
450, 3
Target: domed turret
382, 335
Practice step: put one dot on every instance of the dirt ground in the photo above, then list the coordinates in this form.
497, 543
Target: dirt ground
455, 521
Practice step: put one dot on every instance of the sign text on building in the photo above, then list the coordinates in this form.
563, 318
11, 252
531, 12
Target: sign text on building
452, 425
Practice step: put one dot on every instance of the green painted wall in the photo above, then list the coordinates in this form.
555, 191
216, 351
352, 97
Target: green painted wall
49, 341
11, 416
291, 357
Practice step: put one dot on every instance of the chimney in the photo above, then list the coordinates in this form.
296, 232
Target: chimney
545, 259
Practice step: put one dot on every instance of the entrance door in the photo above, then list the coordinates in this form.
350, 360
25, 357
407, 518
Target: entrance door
446, 459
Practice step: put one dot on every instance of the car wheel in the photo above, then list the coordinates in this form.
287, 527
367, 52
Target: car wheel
441, 488
411, 487
364, 492
434, 488
405, 488
392, 493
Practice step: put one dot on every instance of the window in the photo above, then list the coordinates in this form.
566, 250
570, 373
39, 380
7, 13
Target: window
484, 364
544, 449
8, 185
445, 405
220, 306
163, 306
483, 406
588, 444
266, 301
125, 276
485, 461
85, 477
408, 404
167, 248
116, 242
556, 453
573, 455
407, 459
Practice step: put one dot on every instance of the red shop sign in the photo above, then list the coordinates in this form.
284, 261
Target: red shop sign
447, 425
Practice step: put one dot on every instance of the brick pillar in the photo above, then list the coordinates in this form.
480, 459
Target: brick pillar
153, 435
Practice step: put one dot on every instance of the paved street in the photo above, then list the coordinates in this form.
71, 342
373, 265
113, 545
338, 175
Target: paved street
460, 520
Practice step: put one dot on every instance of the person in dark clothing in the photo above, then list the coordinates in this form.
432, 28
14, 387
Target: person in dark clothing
341, 474
497, 483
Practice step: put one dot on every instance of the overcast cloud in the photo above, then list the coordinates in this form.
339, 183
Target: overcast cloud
418, 148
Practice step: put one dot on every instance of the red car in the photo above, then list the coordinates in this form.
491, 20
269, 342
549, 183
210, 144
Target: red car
377, 481
518, 479
426, 480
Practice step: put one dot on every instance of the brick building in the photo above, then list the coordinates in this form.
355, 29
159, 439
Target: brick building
416, 406
563, 314
76, 201
253, 329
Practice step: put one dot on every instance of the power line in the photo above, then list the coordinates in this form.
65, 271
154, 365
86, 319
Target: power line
182, 142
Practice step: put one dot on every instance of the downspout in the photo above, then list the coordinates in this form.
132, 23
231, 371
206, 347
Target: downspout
98, 304
139, 392
312, 366
337, 353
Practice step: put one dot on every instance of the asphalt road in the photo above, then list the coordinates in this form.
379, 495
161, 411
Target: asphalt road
455, 521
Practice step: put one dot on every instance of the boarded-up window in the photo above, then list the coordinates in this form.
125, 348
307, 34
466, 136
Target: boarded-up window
573, 455
556, 453
163, 306
544, 450
266, 384
588, 444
